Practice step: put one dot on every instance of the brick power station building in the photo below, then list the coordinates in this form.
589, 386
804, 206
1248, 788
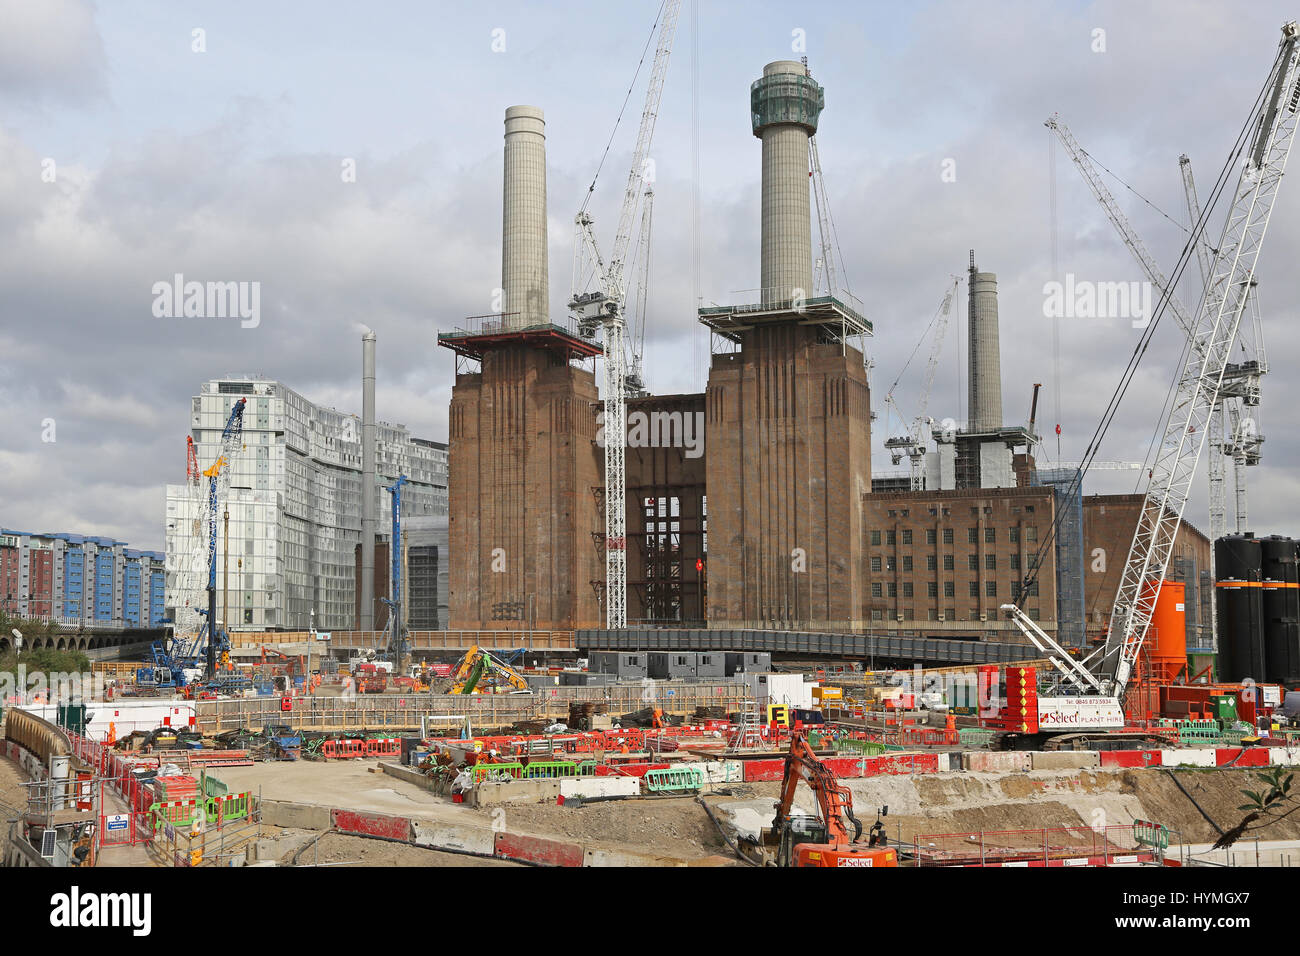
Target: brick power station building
769, 519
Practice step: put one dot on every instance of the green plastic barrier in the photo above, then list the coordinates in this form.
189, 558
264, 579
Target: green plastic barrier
868, 748
674, 780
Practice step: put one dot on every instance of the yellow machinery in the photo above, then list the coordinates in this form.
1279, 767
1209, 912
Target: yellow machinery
478, 672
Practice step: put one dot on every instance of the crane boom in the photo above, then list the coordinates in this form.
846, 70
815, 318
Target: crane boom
606, 309
218, 475
913, 444
1241, 381
1199, 383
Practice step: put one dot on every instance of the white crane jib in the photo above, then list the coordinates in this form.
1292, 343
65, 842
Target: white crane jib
605, 308
1201, 380
913, 444
1197, 391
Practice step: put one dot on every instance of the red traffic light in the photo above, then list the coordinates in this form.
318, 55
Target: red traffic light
699, 564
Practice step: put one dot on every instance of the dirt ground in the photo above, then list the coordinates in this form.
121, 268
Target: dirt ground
11, 793
334, 849
673, 826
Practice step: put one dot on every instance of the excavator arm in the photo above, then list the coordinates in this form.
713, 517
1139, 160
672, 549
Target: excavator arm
833, 799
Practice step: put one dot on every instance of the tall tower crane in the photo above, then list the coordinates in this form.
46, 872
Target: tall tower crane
1242, 433
1241, 381
396, 638
604, 308
635, 383
913, 444
218, 475
1198, 389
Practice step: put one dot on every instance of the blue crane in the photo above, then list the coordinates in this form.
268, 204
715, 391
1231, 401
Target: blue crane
395, 551
170, 664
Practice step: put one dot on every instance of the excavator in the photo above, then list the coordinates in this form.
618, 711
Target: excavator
805, 840
478, 672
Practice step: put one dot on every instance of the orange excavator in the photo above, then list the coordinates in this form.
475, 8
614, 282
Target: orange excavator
812, 841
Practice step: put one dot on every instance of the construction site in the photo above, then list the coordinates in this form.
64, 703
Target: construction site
697, 630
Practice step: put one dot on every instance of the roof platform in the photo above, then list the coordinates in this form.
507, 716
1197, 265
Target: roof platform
479, 334
840, 320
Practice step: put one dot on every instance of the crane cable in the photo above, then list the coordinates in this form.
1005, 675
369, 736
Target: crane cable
1130, 369
626, 98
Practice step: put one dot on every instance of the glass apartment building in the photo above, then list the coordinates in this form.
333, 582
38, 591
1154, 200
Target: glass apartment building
294, 506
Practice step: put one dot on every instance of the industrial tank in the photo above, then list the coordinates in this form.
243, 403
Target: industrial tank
1238, 560
1167, 646
1281, 608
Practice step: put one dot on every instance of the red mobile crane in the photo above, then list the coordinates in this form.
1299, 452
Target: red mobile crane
810, 841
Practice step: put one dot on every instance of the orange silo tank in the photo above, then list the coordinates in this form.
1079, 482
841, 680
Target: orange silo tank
1167, 637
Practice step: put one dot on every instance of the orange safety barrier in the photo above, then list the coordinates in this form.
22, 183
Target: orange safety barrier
385, 747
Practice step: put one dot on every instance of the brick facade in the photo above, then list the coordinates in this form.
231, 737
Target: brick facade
523, 480
1108, 525
941, 563
788, 462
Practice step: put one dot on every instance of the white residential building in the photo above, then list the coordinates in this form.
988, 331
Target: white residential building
294, 504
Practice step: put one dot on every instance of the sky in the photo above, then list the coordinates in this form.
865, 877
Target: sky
142, 140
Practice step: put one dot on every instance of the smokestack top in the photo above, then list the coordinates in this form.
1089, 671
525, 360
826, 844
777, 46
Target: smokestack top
525, 119
785, 66
524, 281
368, 335
786, 95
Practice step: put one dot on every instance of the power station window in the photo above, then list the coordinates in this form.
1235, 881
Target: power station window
907, 535
877, 590
907, 563
949, 589
990, 536
893, 589
930, 536
875, 563
972, 535
907, 589
875, 538
990, 588
947, 533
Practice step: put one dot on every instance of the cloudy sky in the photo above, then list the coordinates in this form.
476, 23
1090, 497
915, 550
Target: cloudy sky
127, 156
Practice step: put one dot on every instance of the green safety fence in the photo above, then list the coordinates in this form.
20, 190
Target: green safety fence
227, 807
535, 770
976, 737
1151, 834
674, 780
868, 748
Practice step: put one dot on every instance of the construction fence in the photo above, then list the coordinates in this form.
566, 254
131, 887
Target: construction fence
390, 711
194, 828
456, 642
